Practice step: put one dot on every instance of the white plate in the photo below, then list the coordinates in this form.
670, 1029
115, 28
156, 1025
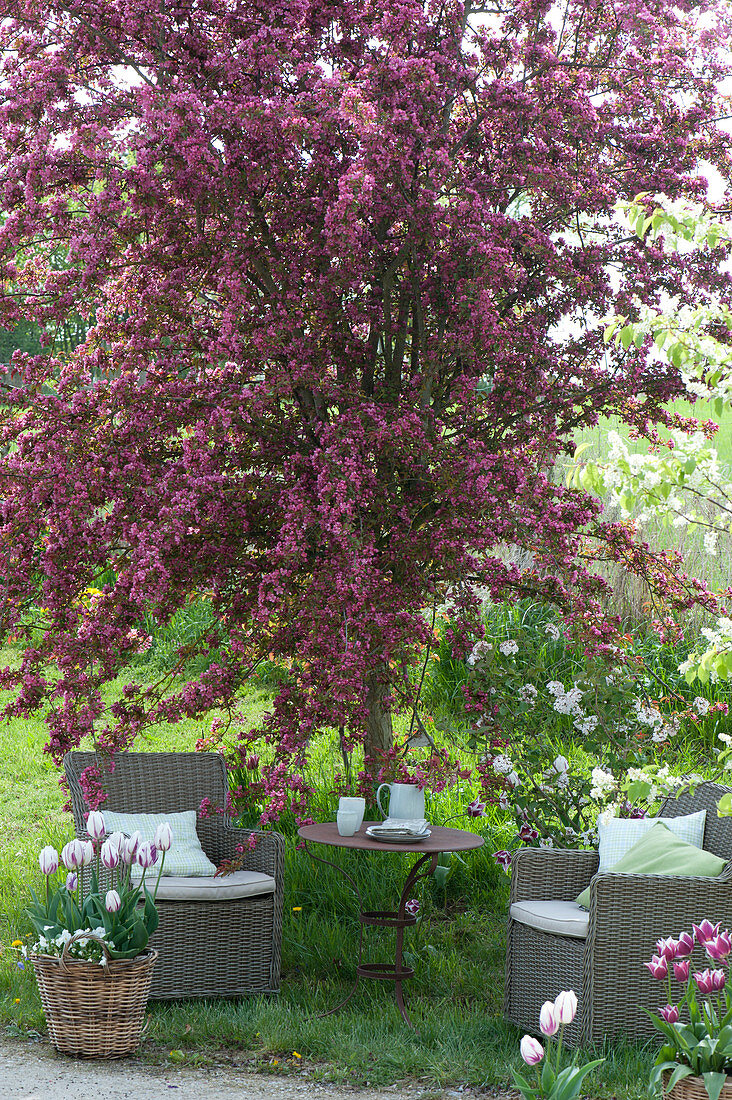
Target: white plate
391, 838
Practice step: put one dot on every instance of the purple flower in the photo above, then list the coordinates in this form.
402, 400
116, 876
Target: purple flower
684, 945
719, 947
503, 858
705, 931
527, 833
710, 981
72, 880
110, 854
670, 1013
658, 966
72, 854
475, 808
667, 948
412, 907
681, 969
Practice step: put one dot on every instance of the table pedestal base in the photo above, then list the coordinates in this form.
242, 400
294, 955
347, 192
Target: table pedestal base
395, 972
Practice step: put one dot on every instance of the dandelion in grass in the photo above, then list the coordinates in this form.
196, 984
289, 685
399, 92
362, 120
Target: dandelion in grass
17, 943
296, 1055
297, 908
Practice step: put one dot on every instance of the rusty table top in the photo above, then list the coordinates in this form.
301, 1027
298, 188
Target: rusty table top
441, 840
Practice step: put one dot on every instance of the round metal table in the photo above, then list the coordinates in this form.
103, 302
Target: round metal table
440, 840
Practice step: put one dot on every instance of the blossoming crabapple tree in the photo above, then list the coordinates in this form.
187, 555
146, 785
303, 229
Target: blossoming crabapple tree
343, 265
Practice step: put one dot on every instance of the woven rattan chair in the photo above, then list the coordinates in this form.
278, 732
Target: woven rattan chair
227, 947
603, 963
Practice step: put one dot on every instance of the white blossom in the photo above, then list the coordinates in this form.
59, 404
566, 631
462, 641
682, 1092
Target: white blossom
555, 688
553, 631
508, 647
701, 705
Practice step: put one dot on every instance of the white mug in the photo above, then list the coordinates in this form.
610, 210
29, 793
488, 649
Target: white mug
347, 821
355, 805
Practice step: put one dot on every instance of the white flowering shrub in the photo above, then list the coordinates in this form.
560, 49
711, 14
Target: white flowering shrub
556, 752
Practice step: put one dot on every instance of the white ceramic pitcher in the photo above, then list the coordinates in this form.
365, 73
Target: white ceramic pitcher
406, 802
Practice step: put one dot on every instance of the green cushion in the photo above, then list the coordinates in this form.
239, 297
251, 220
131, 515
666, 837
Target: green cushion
661, 852
185, 856
618, 835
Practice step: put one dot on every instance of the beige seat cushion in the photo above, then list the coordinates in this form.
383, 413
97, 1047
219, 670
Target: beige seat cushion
563, 918
240, 884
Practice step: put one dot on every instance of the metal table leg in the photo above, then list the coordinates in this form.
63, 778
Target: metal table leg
396, 972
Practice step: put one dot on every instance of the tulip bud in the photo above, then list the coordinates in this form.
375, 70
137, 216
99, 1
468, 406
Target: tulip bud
72, 854
131, 844
684, 945
658, 967
109, 855
71, 881
681, 969
112, 902
670, 1014
88, 854
532, 1051
565, 1006
548, 1021
163, 837
95, 825
116, 840
48, 860
147, 855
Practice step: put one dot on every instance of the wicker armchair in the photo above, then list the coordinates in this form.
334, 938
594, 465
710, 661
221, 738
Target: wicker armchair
222, 947
603, 962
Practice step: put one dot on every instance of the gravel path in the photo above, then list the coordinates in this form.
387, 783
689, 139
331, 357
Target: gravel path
33, 1071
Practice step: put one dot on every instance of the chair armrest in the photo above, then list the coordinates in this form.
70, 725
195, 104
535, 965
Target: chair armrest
635, 908
556, 873
267, 856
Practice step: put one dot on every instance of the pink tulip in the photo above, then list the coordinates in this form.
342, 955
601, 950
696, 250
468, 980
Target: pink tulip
503, 858
684, 945
163, 837
532, 1051
48, 860
565, 1006
112, 902
705, 931
411, 907
667, 948
658, 967
681, 969
670, 1014
720, 947
710, 981
95, 825
548, 1021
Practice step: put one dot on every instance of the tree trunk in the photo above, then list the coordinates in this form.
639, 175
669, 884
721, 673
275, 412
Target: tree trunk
379, 730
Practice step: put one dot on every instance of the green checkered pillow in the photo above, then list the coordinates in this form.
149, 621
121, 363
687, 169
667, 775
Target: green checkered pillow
618, 835
185, 855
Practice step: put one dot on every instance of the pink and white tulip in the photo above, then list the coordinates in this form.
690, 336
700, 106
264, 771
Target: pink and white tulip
112, 902
147, 855
548, 1021
110, 855
565, 1006
72, 854
95, 825
48, 860
532, 1051
163, 837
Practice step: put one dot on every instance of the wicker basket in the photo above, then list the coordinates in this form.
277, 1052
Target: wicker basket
693, 1088
94, 1011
